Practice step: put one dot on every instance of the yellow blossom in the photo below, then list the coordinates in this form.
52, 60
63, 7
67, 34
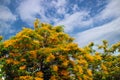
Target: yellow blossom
65, 63
103, 67
50, 57
15, 62
61, 57
23, 60
22, 67
26, 78
55, 68
82, 62
53, 78
39, 74
79, 68
8, 61
64, 72
85, 77
37, 78
97, 56
33, 54
89, 72
89, 57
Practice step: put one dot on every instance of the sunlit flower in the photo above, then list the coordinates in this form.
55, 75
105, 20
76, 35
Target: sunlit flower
55, 68
97, 56
33, 54
16, 62
65, 63
89, 57
64, 72
103, 67
22, 67
8, 61
89, 72
50, 57
23, 60
39, 74
53, 78
37, 78
26, 78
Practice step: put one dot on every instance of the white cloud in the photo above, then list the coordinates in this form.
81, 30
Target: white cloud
76, 20
6, 14
28, 9
6, 19
112, 10
108, 32
60, 6
58, 3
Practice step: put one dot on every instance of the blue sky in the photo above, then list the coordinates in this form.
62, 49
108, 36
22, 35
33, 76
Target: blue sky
85, 20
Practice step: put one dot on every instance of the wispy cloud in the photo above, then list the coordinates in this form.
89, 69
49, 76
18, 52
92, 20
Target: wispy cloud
6, 20
112, 10
75, 20
6, 14
108, 32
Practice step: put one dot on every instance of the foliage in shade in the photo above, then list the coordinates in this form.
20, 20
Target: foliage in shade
48, 53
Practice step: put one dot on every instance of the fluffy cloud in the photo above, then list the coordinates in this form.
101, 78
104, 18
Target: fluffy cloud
28, 9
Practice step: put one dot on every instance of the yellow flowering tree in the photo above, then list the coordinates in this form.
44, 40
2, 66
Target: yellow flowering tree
45, 53
48, 53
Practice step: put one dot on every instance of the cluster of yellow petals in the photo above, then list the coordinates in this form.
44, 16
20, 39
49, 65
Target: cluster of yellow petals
9, 43
79, 69
8, 61
33, 54
23, 60
65, 63
22, 67
64, 73
50, 57
103, 67
98, 56
53, 78
89, 57
89, 72
39, 74
86, 77
55, 68
26, 78
37, 78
